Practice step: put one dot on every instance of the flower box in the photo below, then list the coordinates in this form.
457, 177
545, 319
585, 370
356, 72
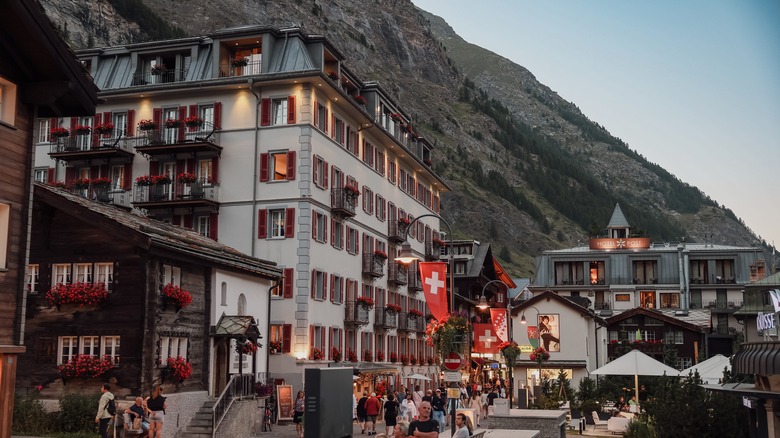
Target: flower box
159, 69
147, 125
414, 313
186, 178
380, 356
393, 358
82, 129
84, 366
351, 356
81, 183
60, 132
412, 360
161, 179
144, 180
404, 221
333, 75
539, 355
275, 347
335, 354
77, 293
248, 347
317, 354
367, 357
173, 123
104, 128
180, 368
365, 302
239, 62
102, 182
180, 297
360, 100
393, 308
404, 360
193, 122
396, 117
351, 190
380, 254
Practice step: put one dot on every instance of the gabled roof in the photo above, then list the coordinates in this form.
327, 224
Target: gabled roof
618, 219
549, 295
291, 56
153, 234
659, 315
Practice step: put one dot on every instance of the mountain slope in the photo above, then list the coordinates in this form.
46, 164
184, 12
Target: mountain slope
528, 170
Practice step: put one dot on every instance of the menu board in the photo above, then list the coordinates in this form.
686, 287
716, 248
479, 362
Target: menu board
284, 397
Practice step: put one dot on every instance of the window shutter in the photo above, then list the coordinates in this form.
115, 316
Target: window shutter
97, 120
316, 114
332, 288
53, 123
264, 165
157, 116
193, 113
333, 125
315, 172
217, 115
291, 110
108, 117
341, 292
127, 182
154, 168
314, 225
330, 342
130, 128
215, 170
50, 175
291, 165
73, 123
325, 228
262, 224
311, 342
326, 119
287, 338
289, 223
214, 226
265, 112
325, 176
333, 231
188, 221
182, 116
288, 283
313, 283
357, 242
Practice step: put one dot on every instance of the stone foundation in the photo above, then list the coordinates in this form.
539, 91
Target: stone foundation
550, 424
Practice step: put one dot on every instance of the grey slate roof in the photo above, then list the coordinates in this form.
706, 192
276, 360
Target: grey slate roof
161, 234
292, 56
618, 219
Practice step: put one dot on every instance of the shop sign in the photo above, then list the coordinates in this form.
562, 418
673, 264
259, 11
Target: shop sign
623, 243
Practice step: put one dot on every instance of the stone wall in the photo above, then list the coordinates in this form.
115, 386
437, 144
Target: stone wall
550, 424
181, 409
240, 420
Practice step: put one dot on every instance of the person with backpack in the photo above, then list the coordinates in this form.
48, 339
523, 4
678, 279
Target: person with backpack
391, 413
106, 410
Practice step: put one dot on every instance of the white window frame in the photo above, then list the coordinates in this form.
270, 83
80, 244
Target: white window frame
110, 348
31, 279
276, 222
172, 275
173, 346
319, 338
89, 346
5, 233
279, 111
337, 232
319, 164
368, 200
104, 273
7, 101
117, 177
276, 171
320, 285
44, 130
203, 226
338, 284
321, 221
120, 124
67, 348
60, 273
352, 240
41, 175
83, 273
205, 169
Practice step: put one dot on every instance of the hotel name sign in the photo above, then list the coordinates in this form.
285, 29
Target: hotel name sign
765, 322
627, 243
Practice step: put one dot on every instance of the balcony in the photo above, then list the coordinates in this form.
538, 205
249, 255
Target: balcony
575, 282
647, 347
373, 265
408, 322
176, 194
394, 232
724, 306
235, 68
724, 280
160, 77
343, 202
433, 250
415, 283
397, 273
88, 147
202, 140
355, 315
106, 195
385, 319
601, 305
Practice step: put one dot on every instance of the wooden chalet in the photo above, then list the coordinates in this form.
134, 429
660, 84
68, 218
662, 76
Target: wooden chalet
39, 77
79, 241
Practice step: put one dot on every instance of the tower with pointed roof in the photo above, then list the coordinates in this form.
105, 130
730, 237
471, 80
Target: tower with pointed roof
618, 227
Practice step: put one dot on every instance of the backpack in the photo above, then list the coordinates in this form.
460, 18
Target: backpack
111, 407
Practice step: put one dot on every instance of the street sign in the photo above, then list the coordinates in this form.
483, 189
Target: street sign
453, 361
452, 376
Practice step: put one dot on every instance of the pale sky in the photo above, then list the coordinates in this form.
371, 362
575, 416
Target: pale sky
692, 85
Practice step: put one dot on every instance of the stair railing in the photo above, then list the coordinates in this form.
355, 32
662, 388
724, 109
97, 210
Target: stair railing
239, 386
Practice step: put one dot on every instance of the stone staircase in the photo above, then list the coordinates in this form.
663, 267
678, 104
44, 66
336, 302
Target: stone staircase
202, 425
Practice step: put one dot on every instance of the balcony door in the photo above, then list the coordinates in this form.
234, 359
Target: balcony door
170, 135
170, 170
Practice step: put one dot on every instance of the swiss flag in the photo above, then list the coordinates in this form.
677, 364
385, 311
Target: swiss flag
485, 339
434, 284
498, 316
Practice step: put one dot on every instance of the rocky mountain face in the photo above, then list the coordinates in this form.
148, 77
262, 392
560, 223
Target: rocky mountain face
528, 170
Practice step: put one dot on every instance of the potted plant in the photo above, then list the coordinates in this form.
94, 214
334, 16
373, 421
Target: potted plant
335, 354
82, 129
239, 62
81, 183
360, 100
104, 128
449, 334
404, 359
393, 308
161, 180
159, 69
510, 351
179, 368
365, 302
180, 297
84, 366
396, 117
351, 190
393, 357
351, 356
144, 180
264, 389
380, 254
317, 354
193, 122
412, 360
539, 355
405, 221
102, 182
380, 356
60, 132
414, 313
437, 242
333, 75
77, 293
173, 123
147, 125
430, 360
367, 357
186, 178
248, 347
275, 347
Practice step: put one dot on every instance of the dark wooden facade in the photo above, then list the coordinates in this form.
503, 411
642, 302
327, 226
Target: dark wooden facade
39, 77
69, 229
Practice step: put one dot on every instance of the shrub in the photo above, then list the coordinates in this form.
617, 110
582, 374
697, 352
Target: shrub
29, 416
77, 412
641, 427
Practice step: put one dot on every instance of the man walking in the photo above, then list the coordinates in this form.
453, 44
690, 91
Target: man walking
438, 404
373, 406
424, 426
361, 411
103, 416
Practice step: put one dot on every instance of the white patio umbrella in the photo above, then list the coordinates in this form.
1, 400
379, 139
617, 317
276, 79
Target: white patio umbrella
635, 363
418, 377
711, 370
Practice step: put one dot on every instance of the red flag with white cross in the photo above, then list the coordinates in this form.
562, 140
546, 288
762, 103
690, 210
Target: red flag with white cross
434, 284
485, 339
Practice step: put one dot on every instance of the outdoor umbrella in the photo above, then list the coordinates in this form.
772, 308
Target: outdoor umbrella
418, 377
635, 363
711, 370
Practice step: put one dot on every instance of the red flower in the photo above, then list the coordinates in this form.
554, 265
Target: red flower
77, 293
181, 297
393, 357
351, 356
182, 369
335, 354
367, 357
82, 365
317, 354
247, 347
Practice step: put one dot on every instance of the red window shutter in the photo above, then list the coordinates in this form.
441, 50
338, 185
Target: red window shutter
330, 342
188, 221
325, 176
130, 130
313, 281
286, 338
127, 183
288, 283
108, 117
262, 224
193, 113
341, 292
291, 165
326, 119
264, 167
215, 170
289, 223
311, 342
332, 231
53, 123
214, 226
265, 112
316, 113
357, 243
314, 225
50, 175
325, 228
97, 120
73, 123
182, 116
333, 125
217, 115
154, 168
332, 288
315, 172
177, 220
291, 110
157, 116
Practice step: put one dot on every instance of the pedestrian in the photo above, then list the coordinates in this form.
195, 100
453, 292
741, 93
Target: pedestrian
409, 409
103, 417
391, 413
298, 414
361, 411
401, 429
438, 404
463, 427
137, 411
373, 406
427, 397
475, 402
417, 396
354, 408
424, 426
156, 404
483, 395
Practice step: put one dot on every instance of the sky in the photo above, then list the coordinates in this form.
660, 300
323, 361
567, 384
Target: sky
692, 85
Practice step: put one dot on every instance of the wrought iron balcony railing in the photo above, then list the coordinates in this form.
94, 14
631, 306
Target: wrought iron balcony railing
355, 314
384, 318
373, 265
397, 273
176, 192
167, 76
343, 202
188, 135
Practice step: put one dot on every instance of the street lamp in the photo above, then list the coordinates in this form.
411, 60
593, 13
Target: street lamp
523, 321
407, 256
508, 323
